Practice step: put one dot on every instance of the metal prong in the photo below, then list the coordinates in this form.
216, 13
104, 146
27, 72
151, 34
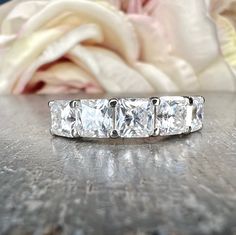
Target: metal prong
204, 100
155, 100
73, 103
74, 133
156, 132
114, 134
113, 102
50, 103
188, 130
51, 132
190, 99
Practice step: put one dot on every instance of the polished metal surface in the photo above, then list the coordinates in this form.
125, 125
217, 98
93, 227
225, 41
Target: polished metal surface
160, 186
126, 118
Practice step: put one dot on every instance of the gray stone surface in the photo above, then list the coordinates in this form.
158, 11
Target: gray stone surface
174, 186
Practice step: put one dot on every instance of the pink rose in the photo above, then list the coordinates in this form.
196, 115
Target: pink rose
117, 46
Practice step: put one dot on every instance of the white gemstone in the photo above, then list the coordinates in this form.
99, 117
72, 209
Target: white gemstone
94, 118
197, 113
171, 115
134, 118
62, 118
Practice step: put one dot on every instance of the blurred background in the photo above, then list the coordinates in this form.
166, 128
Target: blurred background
117, 46
3, 1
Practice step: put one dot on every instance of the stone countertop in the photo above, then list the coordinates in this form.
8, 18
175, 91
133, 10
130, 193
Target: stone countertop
175, 186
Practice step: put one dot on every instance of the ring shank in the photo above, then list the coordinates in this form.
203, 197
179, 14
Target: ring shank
127, 117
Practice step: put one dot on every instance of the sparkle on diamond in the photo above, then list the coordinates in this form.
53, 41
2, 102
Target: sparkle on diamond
94, 118
134, 118
171, 115
197, 113
62, 118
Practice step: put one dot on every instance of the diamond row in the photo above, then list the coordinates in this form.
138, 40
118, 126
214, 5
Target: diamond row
126, 117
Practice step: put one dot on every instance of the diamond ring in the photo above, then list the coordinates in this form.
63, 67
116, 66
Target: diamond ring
127, 117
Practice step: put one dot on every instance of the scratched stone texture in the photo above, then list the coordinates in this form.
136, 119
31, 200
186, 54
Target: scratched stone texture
175, 186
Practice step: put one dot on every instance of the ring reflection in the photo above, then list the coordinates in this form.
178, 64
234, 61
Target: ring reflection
130, 162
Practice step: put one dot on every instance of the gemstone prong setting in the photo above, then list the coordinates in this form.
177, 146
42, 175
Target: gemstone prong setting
188, 130
127, 117
156, 132
155, 100
113, 102
189, 99
74, 103
114, 134
50, 103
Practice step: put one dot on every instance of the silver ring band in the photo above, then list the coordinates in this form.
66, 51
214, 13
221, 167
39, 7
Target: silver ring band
127, 117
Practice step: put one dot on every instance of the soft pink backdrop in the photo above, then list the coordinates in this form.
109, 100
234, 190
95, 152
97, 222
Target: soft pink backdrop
117, 46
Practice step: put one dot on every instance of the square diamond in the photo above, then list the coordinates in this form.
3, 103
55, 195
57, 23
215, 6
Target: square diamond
134, 117
197, 113
171, 115
94, 118
62, 118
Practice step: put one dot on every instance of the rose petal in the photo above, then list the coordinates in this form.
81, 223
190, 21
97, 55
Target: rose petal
18, 16
6, 39
118, 32
60, 89
219, 6
22, 53
6, 8
191, 33
109, 69
179, 71
68, 75
227, 36
151, 38
217, 77
159, 81
194, 38
135, 6
58, 48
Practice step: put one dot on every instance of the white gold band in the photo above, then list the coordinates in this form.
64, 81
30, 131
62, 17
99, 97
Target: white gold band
127, 117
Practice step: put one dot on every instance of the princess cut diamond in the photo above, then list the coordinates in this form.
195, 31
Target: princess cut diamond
134, 117
127, 117
62, 118
94, 118
171, 115
197, 113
